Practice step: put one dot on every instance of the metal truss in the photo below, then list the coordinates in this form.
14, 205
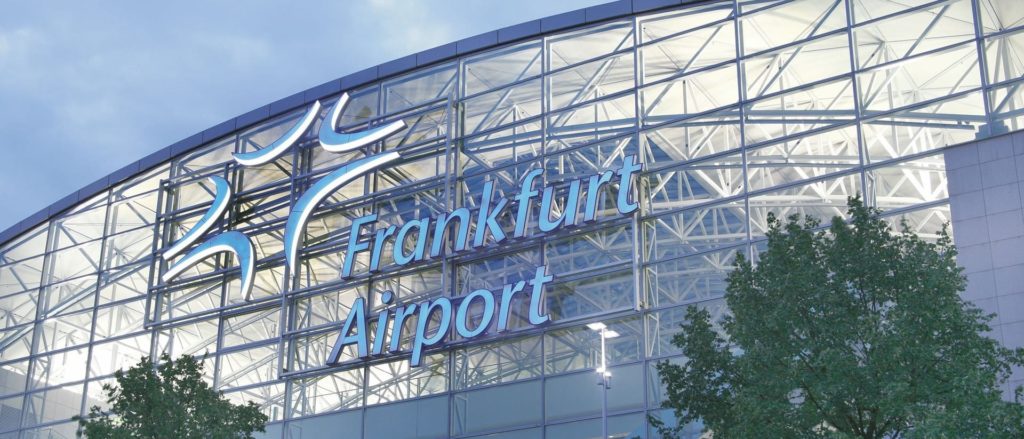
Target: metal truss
737, 109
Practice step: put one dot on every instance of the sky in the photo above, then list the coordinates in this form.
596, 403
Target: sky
89, 87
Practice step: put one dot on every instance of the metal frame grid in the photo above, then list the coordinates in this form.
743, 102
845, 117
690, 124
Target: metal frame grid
736, 108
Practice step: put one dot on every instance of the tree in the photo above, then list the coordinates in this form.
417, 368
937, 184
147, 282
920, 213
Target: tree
855, 331
169, 400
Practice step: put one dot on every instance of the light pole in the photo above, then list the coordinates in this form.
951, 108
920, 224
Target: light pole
604, 378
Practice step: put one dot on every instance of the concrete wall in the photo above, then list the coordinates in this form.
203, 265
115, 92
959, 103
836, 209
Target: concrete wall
986, 188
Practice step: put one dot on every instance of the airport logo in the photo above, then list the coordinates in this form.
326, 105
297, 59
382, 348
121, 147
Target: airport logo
487, 229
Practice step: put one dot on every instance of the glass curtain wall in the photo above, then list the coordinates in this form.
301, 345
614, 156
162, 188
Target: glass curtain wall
736, 109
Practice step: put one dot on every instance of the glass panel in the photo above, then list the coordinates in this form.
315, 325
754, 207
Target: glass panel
261, 137
796, 66
767, 25
58, 404
692, 138
194, 338
912, 33
658, 26
60, 368
429, 166
269, 398
578, 348
64, 331
908, 183
625, 426
665, 324
696, 183
866, 10
73, 262
588, 123
250, 328
17, 308
499, 148
422, 126
1001, 15
191, 196
690, 95
926, 222
590, 81
574, 47
919, 79
339, 390
322, 309
803, 158
127, 248
206, 158
576, 395
493, 272
500, 67
591, 295
418, 88
695, 230
192, 298
410, 287
325, 426
132, 213
69, 296
591, 250
1003, 56
13, 377
16, 342
26, 245
821, 199
323, 160
800, 111
124, 283
362, 106
140, 185
108, 358
500, 362
414, 419
706, 46
310, 351
1008, 105
20, 276
497, 408
920, 129
11, 411
396, 380
501, 107
79, 227
251, 366
690, 278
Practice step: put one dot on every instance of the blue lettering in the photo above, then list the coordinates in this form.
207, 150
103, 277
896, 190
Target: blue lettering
461, 319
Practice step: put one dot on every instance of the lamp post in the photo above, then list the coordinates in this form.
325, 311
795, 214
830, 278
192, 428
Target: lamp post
604, 376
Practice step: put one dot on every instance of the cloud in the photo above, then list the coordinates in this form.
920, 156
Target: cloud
89, 87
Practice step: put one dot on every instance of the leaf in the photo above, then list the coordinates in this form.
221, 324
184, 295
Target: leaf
852, 330
169, 400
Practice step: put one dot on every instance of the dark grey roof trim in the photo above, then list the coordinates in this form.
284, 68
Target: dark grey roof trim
529, 29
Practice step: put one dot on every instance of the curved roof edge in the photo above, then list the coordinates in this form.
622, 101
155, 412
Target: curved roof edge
396, 67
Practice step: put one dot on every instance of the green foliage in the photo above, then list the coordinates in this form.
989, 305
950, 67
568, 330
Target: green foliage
170, 400
856, 331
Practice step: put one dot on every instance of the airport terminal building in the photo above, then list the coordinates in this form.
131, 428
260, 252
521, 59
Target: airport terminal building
424, 248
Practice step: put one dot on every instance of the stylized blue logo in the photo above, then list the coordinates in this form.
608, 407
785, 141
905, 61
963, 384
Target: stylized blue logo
239, 244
